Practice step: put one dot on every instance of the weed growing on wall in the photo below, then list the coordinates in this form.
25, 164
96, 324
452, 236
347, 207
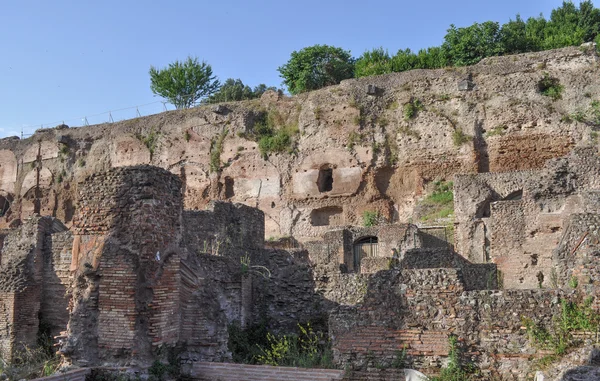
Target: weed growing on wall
150, 140
439, 203
216, 148
558, 337
308, 349
550, 87
411, 108
459, 138
273, 134
370, 218
456, 370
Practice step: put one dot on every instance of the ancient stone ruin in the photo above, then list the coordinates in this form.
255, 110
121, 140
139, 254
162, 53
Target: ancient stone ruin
118, 248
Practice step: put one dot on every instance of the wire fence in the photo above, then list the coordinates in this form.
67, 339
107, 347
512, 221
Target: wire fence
110, 116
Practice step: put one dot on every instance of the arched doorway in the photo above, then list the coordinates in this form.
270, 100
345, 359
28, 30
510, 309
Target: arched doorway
363, 248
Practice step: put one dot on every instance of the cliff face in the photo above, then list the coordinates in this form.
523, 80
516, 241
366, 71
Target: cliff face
355, 150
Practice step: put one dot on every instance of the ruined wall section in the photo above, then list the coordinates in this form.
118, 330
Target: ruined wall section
21, 283
516, 219
56, 280
225, 229
416, 310
127, 234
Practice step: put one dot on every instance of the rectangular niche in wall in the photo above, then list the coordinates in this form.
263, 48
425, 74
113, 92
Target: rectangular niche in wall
327, 216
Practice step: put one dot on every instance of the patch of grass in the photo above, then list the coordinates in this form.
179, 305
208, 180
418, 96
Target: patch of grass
442, 97
393, 106
353, 139
273, 134
187, 136
595, 111
318, 112
150, 140
81, 162
459, 138
439, 203
411, 109
370, 218
594, 137
496, 131
406, 130
550, 87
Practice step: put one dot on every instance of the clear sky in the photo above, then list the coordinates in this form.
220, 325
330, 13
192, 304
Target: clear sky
64, 60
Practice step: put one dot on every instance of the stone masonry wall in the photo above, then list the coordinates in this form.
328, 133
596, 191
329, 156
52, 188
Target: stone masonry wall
416, 310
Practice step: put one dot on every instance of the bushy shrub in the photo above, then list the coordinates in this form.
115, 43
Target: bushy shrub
550, 87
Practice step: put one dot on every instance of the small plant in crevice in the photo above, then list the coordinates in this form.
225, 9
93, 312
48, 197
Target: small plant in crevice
370, 218
411, 109
150, 140
216, 149
459, 138
273, 134
550, 87
247, 268
456, 369
187, 136
558, 335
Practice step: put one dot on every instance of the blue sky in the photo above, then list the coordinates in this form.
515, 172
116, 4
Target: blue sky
65, 60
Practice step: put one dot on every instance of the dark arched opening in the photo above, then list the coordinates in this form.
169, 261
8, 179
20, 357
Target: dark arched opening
364, 248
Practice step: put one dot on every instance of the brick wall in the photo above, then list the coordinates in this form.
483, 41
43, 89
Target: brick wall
56, 278
238, 372
416, 310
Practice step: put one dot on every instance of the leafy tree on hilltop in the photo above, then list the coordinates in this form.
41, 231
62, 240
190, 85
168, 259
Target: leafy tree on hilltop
315, 67
374, 62
235, 90
183, 83
469, 45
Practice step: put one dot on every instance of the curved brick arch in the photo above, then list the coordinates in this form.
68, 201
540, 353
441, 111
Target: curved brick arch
8, 170
30, 180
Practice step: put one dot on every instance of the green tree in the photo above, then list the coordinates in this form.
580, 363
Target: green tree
374, 62
315, 67
404, 60
469, 45
235, 90
183, 83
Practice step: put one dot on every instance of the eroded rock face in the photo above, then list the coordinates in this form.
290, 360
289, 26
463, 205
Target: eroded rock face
355, 151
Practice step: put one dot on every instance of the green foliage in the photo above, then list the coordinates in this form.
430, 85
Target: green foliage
308, 349
216, 148
550, 87
315, 67
187, 136
273, 134
459, 137
183, 83
573, 317
440, 202
411, 108
469, 45
595, 112
235, 90
29, 363
150, 140
496, 131
374, 62
573, 282
370, 218
456, 370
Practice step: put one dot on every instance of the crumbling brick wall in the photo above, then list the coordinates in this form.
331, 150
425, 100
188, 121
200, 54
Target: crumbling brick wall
416, 310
